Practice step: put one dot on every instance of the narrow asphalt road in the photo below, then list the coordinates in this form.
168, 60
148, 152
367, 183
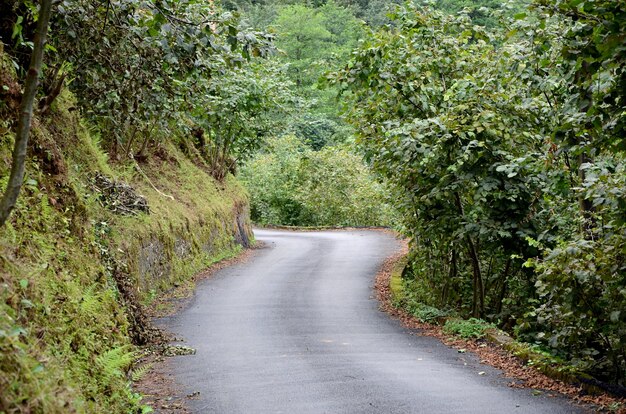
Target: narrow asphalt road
297, 330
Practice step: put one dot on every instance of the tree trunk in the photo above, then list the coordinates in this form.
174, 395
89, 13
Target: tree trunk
505, 276
131, 139
55, 90
452, 275
478, 300
26, 113
478, 304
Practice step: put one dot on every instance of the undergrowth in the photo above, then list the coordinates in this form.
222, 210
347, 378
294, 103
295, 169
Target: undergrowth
65, 331
409, 296
467, 328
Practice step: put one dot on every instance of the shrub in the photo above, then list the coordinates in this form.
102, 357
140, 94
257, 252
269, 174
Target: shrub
295, 185
470, 328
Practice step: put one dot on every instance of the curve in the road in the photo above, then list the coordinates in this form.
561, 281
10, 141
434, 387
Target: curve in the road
296, 330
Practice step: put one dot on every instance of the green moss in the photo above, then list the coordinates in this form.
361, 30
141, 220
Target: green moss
64, 327
52, 290
395, 282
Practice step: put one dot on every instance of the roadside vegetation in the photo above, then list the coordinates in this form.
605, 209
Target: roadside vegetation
292, 184
126, 193
494, 131
506, 146
489, 133
310, 173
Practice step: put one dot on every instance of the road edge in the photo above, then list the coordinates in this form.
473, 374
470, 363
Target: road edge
491, 353
151, 373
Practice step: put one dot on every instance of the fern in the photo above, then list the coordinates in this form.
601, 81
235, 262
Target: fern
114, 362
139, 372
90, 303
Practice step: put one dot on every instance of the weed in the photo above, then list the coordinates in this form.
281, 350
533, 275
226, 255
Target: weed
139, 372
470, 328
425, 313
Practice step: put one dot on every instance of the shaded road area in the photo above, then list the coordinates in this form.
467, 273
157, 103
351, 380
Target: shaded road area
297, 330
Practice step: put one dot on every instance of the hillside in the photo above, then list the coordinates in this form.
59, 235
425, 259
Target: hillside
90, 242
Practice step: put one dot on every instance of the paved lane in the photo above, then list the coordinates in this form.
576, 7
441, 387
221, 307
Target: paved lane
296, 330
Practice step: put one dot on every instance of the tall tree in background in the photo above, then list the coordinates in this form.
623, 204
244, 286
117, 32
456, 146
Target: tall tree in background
304, 39
315, 41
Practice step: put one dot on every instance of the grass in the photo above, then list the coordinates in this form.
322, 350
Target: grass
396, 285
471, 328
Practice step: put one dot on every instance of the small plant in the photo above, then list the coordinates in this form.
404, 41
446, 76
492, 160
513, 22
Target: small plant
466, 329
115, 362
545, 361
425, 313
138, 373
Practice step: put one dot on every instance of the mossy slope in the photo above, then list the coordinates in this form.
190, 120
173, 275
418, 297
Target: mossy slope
73, 274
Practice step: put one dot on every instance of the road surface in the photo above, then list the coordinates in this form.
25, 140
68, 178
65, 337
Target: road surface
296, 329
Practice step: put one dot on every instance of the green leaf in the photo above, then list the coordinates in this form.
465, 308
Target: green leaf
615, 316
17, 27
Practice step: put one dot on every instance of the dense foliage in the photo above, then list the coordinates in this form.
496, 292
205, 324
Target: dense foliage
506, 150
499, 142
311, 40
308, 175
482, 12
236, 114
142, 71
292, 184
148, 81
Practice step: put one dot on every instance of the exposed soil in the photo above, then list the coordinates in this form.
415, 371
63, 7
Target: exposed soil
522, 375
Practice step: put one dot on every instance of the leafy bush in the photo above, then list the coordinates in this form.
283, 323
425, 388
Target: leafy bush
467, 328
507, 147
294, 185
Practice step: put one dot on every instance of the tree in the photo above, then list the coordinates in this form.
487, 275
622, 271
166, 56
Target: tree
443, 126
507, 153
237, 113
162, 56
578, 64
304, 39
26, 113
